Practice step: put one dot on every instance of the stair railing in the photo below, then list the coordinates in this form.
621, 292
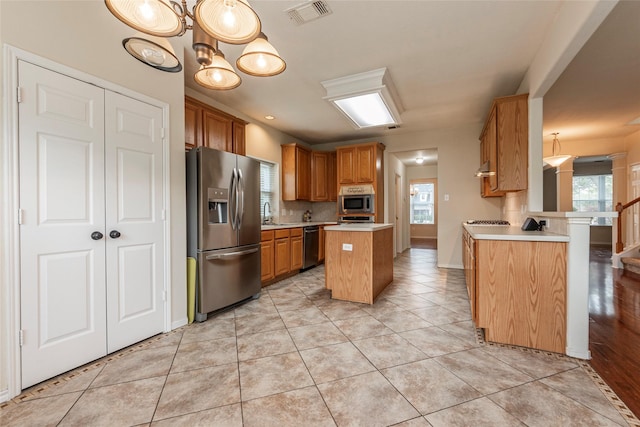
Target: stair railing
620, 208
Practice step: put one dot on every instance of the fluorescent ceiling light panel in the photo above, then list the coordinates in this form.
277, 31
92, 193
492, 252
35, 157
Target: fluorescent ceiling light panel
366, 110
368, 99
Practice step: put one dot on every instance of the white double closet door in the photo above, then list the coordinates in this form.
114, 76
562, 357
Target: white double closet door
92, 232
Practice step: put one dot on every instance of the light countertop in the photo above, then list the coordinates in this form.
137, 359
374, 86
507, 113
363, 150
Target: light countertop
266, 227
489, 232
358, 227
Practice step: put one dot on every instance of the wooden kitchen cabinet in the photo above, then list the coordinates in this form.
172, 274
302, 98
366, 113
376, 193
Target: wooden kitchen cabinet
208, 127
362, 164
332, 179
517, 291
297, 249
488, 152
505, 140
470, 270
324, 176
296, 172
267, 256
321, 237
282, 251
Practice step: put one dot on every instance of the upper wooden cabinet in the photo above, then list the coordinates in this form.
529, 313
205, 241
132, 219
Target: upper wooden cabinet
208, 127
323, 176
505, 144
359, 164
296, 172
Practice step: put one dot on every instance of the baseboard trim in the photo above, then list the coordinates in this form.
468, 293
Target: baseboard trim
4, 396
179, 323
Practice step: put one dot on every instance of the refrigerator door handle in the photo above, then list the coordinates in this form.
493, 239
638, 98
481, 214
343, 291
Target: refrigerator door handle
240, 200
233, 200
231, 254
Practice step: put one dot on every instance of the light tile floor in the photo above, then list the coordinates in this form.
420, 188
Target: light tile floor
295, 357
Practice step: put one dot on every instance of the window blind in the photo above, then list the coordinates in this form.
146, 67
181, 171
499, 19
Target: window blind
268, 186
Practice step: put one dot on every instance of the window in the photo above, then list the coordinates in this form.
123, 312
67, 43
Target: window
422, 196
593, 193
268, 186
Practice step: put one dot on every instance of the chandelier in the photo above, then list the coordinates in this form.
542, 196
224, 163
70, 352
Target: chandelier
212, 21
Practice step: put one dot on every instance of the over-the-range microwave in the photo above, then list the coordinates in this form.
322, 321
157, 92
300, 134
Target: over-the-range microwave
356, 199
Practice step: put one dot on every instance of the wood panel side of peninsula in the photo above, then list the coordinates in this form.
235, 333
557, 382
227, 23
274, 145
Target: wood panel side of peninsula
358, 272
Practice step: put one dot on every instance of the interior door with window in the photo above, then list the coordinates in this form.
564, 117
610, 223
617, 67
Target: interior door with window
62, 250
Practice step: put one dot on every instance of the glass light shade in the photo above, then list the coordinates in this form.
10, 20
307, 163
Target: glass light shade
555, 161
153, 17
367, 110
228, 21
260, 59
156, 52
419, 160
218, 75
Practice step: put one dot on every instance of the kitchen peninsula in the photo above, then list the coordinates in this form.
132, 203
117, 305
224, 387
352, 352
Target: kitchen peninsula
358, 261
517, 285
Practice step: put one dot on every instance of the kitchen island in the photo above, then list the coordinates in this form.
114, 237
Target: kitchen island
517, 285
358, 261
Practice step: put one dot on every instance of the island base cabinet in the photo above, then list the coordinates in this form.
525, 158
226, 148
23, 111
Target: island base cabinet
358, 265
521, 292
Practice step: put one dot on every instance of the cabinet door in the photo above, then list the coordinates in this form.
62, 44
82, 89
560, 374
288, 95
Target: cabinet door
303, 174
282, 256
267, 261
319, 177
321, 243
512, 144
217, 131
346, 166
332, 177
296, 253
192, 125
239, 143
491, 148
365, 164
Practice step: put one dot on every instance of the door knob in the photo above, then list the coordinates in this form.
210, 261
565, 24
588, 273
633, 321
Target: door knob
96, 235
114, 234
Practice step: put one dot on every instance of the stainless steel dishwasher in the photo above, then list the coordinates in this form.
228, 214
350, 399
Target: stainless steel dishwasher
310, 243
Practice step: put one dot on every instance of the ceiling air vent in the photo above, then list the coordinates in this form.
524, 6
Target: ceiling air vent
305, 12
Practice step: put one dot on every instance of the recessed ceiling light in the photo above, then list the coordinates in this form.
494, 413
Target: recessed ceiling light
269, 117
419, 160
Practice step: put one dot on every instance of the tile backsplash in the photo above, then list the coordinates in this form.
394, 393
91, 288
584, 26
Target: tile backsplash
294, 211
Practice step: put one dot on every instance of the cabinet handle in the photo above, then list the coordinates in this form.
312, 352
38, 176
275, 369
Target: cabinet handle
114, 234
96, 235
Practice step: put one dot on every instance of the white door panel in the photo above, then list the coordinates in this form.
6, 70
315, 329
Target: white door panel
134, 177
61, 148
90, 161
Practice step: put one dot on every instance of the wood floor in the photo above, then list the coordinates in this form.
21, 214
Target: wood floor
614, 330
421, 243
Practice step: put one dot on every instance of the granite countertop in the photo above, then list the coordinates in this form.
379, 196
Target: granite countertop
265, 227
497, 232
358, 227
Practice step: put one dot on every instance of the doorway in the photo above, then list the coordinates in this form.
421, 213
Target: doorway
423, 213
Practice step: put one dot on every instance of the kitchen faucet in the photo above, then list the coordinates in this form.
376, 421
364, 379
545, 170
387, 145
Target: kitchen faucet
264, 210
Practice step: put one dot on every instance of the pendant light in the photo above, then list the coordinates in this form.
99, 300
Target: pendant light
229, 21
153, 51
556, 159
218, 75
153, 17
260, 58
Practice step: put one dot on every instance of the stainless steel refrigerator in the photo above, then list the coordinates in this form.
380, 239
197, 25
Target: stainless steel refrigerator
223, 227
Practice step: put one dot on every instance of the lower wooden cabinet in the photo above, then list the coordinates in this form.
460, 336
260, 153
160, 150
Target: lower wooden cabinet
321, 240
267, 256
517, 291
297, 249
282, 252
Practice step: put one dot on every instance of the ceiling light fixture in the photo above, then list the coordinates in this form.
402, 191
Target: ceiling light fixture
556, 159
419, 160
213, 21
367, 99
269, 117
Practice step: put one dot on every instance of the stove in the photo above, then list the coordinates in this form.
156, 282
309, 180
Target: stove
475, 222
